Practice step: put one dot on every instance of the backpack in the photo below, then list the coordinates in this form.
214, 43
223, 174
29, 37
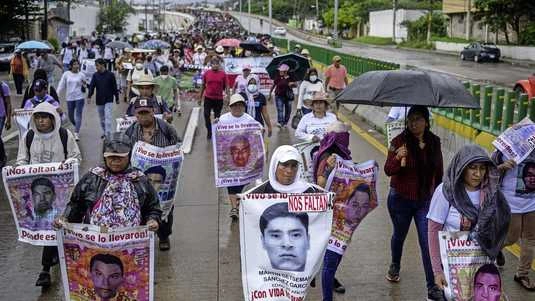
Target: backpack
63, 135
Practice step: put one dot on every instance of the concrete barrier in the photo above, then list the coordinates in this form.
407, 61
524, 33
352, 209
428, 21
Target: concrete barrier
513, 52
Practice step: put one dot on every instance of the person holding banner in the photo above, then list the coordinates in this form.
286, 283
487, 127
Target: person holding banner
414, 163
240, 148
157, 132
517, 182
256, 103
469, 199
312, 126
308, 87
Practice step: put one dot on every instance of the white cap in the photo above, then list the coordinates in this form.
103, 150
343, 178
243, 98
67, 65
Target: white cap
219, 49
235, 98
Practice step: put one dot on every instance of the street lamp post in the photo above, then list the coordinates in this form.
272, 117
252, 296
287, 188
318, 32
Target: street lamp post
335, 31
249, 12
270, 16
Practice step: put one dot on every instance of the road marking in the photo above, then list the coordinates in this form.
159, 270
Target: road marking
514, 249
10, 136
190, 130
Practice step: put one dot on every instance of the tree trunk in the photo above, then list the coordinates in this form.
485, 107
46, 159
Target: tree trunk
429, 21
358, 29
506, 35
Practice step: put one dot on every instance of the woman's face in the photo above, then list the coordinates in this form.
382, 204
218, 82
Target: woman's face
286, 172
474, 174
75, 67
416, 124
319, 107
116, 164
237, 109
283, 73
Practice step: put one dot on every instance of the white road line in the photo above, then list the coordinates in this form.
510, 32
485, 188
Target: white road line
190, 130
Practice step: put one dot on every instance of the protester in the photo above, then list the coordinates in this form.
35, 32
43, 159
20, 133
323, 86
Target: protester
67, 55
310, 85
47, 63
108, 57
312, 126
256, 103
133, 76
469, 199
414, 163
104, 82
123, 65
199, 57
45, 142
283, 85
213, 89
237, 105
19, 70
73, 82
522, 227
83, 52
39, 74
157, 132
240, 83
40, 88
5, 118
336, 76
114, 195
145, 85
168, 90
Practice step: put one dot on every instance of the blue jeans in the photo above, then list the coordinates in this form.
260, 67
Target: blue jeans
104, 112
78, 106
330, 265
402, 211
284, 110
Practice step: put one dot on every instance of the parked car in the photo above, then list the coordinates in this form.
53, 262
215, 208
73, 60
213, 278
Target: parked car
480, 52
6, 53
526, 86
281, 31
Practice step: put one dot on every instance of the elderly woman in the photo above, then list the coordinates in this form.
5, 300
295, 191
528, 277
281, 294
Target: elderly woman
313, 125
283, 85
414, 163
114, 195
469, 199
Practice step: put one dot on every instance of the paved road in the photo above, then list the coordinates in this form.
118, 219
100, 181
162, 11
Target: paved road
204, 261
502, 73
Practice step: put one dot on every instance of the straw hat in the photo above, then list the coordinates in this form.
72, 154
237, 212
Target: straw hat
145, 80
322, 96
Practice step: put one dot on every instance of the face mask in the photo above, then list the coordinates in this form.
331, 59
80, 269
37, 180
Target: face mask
252, 88
313, 78
139, 66
164, 76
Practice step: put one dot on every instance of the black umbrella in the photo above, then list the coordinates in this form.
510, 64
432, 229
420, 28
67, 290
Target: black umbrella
298, 65
254, 47
408, 88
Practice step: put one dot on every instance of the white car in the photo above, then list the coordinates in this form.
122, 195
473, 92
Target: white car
281, 31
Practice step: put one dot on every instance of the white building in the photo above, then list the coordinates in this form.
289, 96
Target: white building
381, 22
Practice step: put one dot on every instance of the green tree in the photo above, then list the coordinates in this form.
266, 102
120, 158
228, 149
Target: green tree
112, 17
14, 15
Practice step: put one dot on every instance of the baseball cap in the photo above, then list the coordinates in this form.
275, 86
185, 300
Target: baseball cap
40, 85
142, 104
118, 144
235, 99
289, 155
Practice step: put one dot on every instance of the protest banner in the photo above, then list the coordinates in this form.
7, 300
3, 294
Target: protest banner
238, 153
234, 67
464, 262
393, 129
307, 150
37, 194
125, 122
518, 141
356, 196
162, 165
282, 241
115, 265
22, 119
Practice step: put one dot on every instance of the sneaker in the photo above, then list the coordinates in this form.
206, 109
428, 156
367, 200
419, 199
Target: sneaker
435, 294
279, 125
164, 244
500, 259
76, 137
338, 287
234, 214
43, 280
393, 273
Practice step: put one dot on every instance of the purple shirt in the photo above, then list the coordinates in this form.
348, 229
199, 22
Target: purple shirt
29, 104
5, 92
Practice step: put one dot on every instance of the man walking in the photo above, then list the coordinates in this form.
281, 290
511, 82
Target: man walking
336, 76
214, 84
47, 63
106, 85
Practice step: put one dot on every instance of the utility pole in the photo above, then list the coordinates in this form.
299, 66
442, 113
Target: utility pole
249, 12
241, 20
335, 31
394, 8
270, 16
468, 21
317, 10
44, 29
146, 17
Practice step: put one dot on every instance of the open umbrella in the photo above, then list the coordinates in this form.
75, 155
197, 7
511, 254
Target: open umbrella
255, 47
298, 65
228, 43
118, 45
33, 46
155, 44
408, 88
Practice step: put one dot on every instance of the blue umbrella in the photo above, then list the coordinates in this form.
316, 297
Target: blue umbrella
33, 45
155, 44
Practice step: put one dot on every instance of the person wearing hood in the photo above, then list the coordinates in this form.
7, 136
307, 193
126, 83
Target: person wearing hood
334, 143
256, 103
236, 115
414, 164
45, 142
283, 174
309, 86
313, 125
522, 203
469, 199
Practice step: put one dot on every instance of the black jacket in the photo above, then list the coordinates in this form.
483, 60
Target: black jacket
91, 187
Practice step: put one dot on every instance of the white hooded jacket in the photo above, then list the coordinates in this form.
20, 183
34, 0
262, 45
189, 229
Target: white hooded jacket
47, 147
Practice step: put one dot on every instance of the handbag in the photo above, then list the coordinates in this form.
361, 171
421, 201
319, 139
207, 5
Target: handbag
289, 94
296, 119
